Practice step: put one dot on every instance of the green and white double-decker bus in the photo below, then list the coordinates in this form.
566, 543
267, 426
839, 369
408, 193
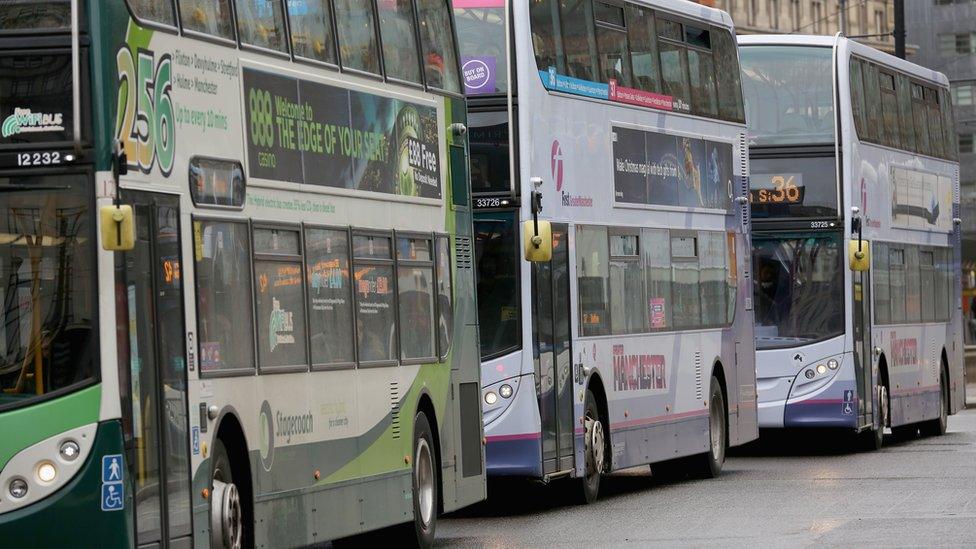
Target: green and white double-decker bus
235, 273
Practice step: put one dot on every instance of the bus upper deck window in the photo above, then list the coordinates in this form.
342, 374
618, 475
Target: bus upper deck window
20, 16
261, 23
399, 40
207, 16
440, 60
153, 10
311, 30
356, 29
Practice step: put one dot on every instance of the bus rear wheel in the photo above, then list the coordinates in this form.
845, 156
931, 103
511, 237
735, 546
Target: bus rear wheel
425, 483
226, 507
709, 464
594, 449
937, 427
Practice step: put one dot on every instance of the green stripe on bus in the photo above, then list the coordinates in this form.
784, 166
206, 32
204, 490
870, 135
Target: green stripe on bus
30, 425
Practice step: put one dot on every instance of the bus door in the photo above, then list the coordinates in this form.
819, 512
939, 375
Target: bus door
863, 355
152, 377
552, 354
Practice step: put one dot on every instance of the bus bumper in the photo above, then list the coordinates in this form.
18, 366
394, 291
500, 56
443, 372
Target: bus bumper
72, 516
513, 441
831, 404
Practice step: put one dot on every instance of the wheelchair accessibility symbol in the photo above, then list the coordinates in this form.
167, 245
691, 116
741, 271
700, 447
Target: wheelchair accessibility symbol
112, 496
848, 409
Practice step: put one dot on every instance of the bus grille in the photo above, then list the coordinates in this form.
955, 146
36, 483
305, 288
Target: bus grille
395, 408
462, 251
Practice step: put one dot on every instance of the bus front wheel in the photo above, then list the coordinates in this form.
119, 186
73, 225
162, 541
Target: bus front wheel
594, 449
937, 427
226, 508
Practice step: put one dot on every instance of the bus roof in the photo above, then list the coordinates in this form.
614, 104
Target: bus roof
853, 47
686, 8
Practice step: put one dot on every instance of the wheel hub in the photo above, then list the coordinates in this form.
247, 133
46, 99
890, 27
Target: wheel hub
595, 446
424, 464
226, 522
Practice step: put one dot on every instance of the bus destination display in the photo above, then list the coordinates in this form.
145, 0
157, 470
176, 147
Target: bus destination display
783, 188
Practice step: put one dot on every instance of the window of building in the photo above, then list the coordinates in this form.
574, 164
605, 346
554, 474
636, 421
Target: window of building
796, 14
223, 277
962, 93
965, 143
328, 285
312, 36
772, 7
880, 22
261, 23
816, 11
752, 12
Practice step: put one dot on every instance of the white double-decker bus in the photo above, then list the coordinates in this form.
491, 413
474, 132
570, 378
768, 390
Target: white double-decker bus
855, 204
620, 127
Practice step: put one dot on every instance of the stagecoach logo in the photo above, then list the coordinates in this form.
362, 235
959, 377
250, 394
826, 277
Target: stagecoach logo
25, 121
266, 435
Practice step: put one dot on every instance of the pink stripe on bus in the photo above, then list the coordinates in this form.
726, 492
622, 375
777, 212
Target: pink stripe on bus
478, 3
505, 438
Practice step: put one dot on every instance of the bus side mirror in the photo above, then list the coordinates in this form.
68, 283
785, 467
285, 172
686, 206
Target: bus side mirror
537, 239
859, 255
118, 228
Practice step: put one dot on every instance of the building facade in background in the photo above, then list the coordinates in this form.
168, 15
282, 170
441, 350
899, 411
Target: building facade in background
943, 33
873, 19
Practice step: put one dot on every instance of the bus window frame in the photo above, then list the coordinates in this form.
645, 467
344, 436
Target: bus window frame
321, 366
286, 30
381, 76
204, 205
232, 41
224, 372
334, 38
454, 44
391, 262
155, 25
257, 225
442, 354
435, 309
422, 84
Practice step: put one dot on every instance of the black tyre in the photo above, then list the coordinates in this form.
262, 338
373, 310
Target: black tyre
709, 464
594, 449
873, 439
229, 514
426, 484
937, 427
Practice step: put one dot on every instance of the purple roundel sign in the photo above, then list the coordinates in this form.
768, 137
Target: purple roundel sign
478, 73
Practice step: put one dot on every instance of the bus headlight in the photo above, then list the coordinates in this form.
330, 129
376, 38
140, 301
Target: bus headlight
833, 364
821, 369
506, 391
809, 374
18, 488
46, 472
491, 398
